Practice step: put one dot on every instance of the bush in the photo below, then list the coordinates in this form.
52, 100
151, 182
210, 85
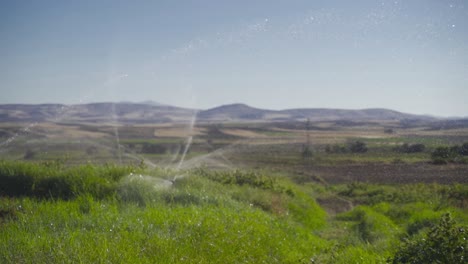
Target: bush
337, 148
464, 149
411, 148
443, 155
358, 147
445, 243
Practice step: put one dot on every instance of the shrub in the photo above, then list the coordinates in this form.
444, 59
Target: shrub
411, 148
444, 243
358, 147
443, 155
441, 152
464, 149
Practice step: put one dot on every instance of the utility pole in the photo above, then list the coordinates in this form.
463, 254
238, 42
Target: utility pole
306, 150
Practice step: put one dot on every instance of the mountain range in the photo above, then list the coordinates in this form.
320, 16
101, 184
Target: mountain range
151, 112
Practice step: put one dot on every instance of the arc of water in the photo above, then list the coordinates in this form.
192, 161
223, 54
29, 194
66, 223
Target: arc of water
116, 132
189, 139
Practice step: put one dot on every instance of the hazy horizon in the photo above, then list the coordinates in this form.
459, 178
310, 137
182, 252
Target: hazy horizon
228, 104
410, 57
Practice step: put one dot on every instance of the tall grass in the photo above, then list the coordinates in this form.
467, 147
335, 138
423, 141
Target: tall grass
52, 180
56, 232
196, 220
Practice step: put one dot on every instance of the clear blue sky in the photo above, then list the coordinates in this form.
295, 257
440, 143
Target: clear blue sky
410, 56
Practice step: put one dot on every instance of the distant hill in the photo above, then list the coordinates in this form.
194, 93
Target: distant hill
233, 112
94, 112
242, 112
356, 115
151, 112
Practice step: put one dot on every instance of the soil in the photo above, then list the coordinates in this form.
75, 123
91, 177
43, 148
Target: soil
400, 173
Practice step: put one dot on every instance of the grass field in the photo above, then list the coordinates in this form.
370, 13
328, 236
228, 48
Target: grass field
100, 214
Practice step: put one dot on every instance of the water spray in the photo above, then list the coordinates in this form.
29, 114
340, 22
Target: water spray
188, 144
116, 132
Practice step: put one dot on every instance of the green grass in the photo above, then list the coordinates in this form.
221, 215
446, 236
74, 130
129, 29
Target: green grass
56, 232
51, 213
196, 220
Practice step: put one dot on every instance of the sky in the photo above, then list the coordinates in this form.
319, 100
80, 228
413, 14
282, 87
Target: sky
410, 56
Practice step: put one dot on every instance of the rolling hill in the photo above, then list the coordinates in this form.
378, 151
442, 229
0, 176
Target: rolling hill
150, 112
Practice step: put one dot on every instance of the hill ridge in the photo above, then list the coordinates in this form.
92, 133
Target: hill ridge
150, 112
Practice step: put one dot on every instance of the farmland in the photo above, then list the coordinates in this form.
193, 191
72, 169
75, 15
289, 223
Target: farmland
275, 146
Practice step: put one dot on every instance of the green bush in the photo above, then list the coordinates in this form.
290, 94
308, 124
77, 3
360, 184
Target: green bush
444, 243
411, 148
358, 147
445, 154
464, 149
